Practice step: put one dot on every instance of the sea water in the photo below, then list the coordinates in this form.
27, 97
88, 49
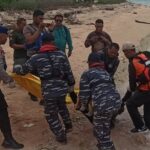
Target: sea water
145, 2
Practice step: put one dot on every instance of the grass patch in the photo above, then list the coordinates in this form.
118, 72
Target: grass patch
32, 4
111, 1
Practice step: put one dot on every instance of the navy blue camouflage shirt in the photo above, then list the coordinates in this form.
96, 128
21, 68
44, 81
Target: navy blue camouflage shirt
97, 84
54, 70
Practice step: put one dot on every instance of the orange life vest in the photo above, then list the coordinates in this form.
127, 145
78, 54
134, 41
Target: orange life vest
141, 64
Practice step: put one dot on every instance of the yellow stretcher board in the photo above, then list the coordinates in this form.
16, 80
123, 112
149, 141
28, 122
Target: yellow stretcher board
32, 84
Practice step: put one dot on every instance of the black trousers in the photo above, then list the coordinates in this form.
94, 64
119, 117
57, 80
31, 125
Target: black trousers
4, 118
139, 98
3, 104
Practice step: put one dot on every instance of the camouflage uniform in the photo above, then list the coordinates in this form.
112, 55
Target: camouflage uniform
97, 83
55, 73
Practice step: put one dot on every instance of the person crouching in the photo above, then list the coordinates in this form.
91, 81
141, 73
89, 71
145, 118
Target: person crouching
97, 83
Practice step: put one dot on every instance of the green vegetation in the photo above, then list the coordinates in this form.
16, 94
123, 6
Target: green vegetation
110, 1
32, 4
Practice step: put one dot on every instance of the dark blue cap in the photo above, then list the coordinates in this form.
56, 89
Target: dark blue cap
47, 37
96, 57
3, 30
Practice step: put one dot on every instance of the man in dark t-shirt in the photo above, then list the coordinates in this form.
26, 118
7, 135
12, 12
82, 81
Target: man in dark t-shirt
111, 59
99, 40
17, 42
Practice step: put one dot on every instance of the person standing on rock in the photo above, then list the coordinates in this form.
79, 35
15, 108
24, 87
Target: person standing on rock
33, 33
17, 42
97, 83
99, 40
139, 83
5, 127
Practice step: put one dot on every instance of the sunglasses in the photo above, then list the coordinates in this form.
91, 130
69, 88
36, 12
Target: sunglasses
58, 20
98, 26
126, 50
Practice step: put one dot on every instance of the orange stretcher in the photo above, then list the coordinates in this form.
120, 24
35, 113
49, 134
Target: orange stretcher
32, 84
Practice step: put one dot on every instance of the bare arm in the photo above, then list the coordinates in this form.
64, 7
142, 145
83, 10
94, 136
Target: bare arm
17, 46
31, 38
91, 39
13, 42
87, 42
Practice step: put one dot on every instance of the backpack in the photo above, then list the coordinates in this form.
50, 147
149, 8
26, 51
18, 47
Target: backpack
142, 70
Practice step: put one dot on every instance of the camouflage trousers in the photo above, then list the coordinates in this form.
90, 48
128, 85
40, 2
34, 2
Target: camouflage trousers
102, 130
53, 108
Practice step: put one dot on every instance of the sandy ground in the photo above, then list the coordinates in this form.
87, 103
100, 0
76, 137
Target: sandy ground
120, 24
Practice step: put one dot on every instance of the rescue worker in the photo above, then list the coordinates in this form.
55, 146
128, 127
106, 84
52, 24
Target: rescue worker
99, 40
55, 73
17, 42
62, 38
139, 87
111, 61
5, 127
33, 33
97, 83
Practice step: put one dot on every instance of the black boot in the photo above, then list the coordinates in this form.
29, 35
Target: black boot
9, 141
41, 102
68, 127
33, 98
73, 96
62, 139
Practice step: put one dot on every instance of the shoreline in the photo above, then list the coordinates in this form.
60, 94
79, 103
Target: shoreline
142, 2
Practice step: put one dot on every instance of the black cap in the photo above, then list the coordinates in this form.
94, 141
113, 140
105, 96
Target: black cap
47, 37
95, 57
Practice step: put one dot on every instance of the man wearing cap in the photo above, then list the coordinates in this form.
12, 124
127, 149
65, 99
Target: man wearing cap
33, 33
55, 73
139, 88
99, 40
62, 35
97, 83
5, 127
